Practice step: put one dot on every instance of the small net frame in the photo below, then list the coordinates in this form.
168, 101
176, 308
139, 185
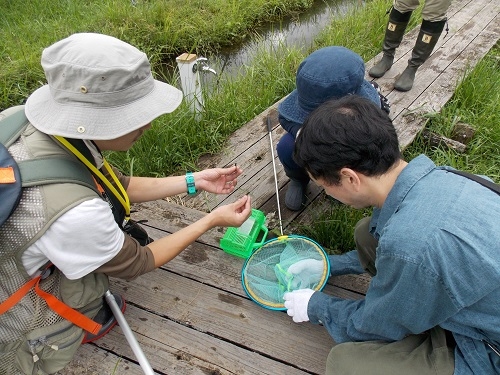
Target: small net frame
265, 277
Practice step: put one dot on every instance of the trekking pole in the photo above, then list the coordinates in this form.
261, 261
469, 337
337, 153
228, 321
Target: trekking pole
129, 335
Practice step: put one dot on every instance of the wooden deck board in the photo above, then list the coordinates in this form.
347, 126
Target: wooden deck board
181, 348
192, 316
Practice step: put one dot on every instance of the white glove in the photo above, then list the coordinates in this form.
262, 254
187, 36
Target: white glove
313, 265
296, 303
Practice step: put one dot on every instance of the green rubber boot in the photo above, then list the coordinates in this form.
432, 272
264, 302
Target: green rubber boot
393, 35
426, 41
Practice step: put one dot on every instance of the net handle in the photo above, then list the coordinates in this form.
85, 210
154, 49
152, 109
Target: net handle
269, 130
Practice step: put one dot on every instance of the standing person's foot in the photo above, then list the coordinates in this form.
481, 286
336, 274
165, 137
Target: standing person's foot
406, 79
380, 68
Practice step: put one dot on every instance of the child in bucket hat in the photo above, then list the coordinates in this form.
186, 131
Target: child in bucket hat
326, 74
100, 95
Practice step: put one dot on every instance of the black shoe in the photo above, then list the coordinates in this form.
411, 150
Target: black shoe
106, 318
295, 196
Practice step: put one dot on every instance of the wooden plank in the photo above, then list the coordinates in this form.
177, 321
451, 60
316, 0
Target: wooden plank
177, 348
228, 317
409, 40
207, 264
256, 162
465, 49
91, 360
287, 216
355, 283
242, 139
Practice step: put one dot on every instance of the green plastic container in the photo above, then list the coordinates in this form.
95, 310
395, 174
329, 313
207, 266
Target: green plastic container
241, 241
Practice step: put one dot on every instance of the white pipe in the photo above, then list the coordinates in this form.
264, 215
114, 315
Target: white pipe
191, 83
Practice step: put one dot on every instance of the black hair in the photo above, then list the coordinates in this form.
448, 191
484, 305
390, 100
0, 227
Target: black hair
350, 132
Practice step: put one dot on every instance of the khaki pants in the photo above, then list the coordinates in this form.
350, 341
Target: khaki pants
433, 10
431, 352
424, 354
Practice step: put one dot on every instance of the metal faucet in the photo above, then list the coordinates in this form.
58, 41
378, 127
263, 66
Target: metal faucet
201, 64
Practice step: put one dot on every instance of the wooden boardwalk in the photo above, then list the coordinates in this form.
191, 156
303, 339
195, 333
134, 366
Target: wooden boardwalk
192, 316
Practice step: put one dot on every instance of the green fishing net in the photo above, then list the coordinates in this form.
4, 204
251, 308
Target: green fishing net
282, 265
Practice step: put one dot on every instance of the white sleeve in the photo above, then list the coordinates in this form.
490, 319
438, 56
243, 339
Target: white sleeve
78, 242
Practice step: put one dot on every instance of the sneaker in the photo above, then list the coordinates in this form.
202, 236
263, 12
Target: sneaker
106, 318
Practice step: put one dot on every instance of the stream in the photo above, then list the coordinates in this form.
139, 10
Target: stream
298, 31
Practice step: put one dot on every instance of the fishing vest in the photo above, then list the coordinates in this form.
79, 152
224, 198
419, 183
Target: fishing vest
29, 330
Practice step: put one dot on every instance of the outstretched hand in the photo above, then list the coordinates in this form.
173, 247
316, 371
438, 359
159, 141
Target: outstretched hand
233, 214
218, 180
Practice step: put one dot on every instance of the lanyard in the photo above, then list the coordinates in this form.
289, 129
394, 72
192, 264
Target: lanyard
122, 196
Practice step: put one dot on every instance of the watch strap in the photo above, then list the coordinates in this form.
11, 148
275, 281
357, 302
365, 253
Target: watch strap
191, 187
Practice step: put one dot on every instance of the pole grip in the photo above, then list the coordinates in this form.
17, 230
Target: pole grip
269, 125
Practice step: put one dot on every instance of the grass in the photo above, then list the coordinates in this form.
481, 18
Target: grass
176, 141
476, 102
162, 28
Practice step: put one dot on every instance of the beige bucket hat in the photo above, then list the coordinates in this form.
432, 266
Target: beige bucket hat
99, 88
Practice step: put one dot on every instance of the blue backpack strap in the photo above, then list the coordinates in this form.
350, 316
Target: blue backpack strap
11, 128
10, 184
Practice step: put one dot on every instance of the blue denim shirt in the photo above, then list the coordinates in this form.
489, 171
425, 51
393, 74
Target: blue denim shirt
438, 264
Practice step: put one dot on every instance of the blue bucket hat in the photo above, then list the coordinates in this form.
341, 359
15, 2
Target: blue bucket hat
327, 73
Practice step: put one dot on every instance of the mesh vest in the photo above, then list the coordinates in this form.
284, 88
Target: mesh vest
30, 323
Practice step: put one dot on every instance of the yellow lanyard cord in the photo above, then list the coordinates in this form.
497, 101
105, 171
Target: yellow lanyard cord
123, 197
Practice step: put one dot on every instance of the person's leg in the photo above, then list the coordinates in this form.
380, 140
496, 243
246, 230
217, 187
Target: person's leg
404, 6
366, 245
295, 193
394, 32
435, 10
433, 22
429, 353
426, 41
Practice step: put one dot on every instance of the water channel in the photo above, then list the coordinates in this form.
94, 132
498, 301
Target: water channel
298, 31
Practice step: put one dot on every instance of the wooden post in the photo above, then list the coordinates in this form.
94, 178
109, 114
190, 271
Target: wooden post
190, 80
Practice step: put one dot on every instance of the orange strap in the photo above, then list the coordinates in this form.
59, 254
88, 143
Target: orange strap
99, 186
68, 313
16, 297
